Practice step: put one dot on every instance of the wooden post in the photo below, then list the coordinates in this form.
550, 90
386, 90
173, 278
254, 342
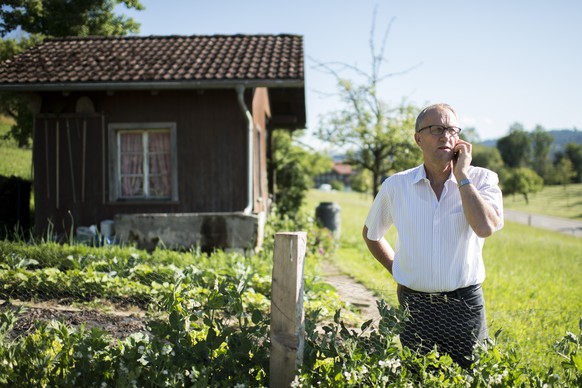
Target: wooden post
287, 317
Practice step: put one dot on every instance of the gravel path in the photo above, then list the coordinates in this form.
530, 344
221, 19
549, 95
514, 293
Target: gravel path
351, 291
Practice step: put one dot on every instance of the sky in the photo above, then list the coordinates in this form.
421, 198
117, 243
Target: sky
497, 62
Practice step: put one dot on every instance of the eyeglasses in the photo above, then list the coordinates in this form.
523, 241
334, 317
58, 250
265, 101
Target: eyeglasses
438, 130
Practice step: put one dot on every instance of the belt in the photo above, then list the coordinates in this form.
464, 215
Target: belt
458, 293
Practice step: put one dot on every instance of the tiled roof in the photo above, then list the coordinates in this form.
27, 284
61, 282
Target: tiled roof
158, 59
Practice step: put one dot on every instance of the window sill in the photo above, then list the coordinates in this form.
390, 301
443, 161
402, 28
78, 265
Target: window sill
144, 202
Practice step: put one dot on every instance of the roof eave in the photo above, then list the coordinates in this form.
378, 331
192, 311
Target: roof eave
153, 85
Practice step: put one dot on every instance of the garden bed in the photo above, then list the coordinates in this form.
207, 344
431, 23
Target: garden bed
120, 322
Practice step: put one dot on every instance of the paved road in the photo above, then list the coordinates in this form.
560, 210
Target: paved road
564, 225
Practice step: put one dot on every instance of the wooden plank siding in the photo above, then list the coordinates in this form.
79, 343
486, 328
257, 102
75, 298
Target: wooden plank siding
211, 138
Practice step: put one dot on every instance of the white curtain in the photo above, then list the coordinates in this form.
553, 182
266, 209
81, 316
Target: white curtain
160, 169
131, 164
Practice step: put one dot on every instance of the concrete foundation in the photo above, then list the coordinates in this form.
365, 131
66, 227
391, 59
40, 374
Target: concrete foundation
206, 231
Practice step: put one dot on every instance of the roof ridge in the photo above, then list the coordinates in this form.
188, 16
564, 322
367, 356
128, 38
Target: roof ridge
175, 36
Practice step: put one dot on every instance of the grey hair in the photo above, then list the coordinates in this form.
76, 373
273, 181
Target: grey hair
429, 108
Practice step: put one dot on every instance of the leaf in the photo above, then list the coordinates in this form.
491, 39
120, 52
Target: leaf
257, 317
366, 324
176, 321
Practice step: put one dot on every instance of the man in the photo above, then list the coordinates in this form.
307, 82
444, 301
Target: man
442, 211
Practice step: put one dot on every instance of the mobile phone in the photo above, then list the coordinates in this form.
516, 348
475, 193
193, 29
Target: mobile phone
456, 156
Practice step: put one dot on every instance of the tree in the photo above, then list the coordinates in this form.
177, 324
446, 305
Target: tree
563, 172
487, 157
521, 180
58, 18
295, 168
15, 105
378, 137
515, 148
362, 181
541, 142
470, 134
573, 152
36, 19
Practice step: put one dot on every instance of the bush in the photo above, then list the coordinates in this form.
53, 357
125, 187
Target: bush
337, 185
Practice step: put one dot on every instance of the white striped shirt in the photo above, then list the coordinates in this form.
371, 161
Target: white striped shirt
436, 248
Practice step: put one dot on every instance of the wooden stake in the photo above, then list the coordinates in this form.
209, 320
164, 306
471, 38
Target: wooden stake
287, 317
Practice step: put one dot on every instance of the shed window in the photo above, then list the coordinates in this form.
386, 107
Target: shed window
144, 163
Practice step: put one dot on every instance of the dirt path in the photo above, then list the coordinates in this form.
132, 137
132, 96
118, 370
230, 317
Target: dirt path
351, 291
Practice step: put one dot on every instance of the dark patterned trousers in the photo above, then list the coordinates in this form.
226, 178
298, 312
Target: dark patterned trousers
452, 321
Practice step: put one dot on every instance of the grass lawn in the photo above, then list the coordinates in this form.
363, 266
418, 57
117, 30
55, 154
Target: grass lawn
532, 288
13, 160
552, 201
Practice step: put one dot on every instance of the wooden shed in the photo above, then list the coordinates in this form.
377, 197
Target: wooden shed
166, 135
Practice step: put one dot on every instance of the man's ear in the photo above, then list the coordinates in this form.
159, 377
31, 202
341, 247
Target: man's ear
417, 138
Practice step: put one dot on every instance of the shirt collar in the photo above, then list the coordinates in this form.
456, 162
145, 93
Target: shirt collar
420, 175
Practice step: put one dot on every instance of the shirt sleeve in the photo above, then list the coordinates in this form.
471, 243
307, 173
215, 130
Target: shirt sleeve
491, 193
379, 218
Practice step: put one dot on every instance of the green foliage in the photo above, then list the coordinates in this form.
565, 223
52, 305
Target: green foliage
378, 136
12, 104
295, 168
470, 135
208, 325
337, 185
541, 145
337, 356
522, 149
14, 161
532, 307
515, 148
362, 181
523, 303
57, 18
522, 181
574, 153
52, 18
15, 106
561, 173
487, 157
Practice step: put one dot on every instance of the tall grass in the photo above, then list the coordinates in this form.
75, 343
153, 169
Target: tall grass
532, 289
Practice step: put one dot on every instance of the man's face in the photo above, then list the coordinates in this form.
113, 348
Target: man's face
437, 147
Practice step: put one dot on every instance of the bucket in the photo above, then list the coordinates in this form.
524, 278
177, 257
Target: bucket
329, 214
87, 235
107, 228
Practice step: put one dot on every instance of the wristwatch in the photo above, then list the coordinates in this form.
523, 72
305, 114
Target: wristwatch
464, 182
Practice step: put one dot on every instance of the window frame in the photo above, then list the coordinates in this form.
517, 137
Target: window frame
114, 131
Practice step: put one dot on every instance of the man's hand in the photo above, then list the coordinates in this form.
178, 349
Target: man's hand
462, 160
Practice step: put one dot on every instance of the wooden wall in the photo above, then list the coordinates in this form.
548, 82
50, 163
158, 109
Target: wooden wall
71, 153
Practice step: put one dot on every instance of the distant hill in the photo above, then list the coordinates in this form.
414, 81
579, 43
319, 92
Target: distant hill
561, 138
